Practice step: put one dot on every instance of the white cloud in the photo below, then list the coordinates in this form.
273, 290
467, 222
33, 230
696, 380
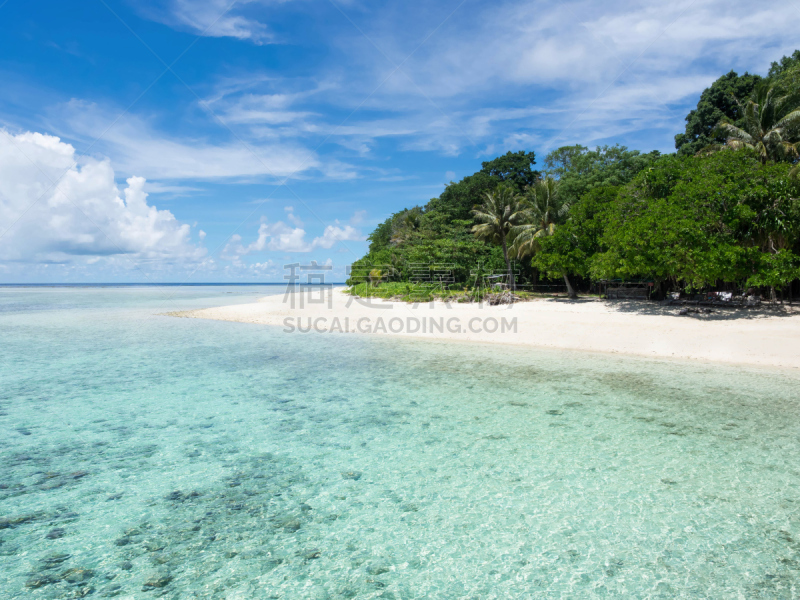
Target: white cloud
136, 147
54, 210
280, 237
358, 217
561, 62
219, 18
297, 222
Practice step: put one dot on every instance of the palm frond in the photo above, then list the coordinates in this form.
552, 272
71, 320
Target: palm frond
738, 144
790, 120
733, 132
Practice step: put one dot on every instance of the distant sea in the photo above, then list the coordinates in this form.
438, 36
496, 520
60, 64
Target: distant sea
149, 456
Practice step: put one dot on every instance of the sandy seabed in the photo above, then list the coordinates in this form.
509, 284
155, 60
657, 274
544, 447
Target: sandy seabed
763, 337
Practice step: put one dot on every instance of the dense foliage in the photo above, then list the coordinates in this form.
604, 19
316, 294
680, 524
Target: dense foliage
436, 241
723, 211
580, 170
718, 102
687, 221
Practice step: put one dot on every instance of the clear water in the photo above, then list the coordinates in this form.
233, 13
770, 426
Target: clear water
147, 456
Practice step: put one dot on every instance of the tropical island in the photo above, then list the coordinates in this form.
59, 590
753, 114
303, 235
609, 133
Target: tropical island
721, 215
715, 224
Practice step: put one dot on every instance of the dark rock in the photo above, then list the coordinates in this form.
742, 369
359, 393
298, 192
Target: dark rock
156, 582
175, 496
77, 575
291, 526
354, 475
154, 545
305, 507
123, 541
79, 474
126, 565
111, 591
38, 581
56, 533
20, 520
54, 560
377, 570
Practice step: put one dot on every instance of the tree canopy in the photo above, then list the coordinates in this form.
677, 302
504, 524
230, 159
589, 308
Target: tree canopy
513, 167
718, 102
579, 170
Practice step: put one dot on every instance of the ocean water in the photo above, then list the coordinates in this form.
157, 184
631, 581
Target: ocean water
148, 456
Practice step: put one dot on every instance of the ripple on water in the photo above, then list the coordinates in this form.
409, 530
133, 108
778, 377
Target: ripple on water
211, 460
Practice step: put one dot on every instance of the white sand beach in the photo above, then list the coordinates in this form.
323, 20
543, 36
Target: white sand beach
753, 337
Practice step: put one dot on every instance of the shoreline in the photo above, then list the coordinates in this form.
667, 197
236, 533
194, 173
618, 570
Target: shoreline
633, 328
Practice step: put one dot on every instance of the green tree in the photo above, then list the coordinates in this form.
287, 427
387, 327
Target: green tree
457, 199
573, 245
541, 209
513, 167
718, 102
699, 220
405, 225
496, 217
786, 72
771, 125
580, 170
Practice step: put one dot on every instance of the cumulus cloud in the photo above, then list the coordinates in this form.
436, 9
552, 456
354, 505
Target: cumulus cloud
281, 237
56, 209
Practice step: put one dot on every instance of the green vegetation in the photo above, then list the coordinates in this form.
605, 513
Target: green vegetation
422, 293
498, 217
721, 213
719, 102
770, 126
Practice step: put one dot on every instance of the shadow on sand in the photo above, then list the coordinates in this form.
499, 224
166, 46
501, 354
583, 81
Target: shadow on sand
718, 313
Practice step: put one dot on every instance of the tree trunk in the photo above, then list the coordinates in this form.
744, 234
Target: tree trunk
511, 283
570, 291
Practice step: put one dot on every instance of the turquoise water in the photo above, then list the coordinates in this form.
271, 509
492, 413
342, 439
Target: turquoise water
147, 456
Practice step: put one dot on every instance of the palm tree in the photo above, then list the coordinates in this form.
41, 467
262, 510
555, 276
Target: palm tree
498, 214
771, 125
543, 208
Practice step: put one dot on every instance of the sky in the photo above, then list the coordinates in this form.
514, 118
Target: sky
194, 141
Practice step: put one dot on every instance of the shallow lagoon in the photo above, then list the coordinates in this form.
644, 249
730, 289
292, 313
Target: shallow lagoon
148, 456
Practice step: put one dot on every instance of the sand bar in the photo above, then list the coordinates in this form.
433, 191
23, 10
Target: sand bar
752, 337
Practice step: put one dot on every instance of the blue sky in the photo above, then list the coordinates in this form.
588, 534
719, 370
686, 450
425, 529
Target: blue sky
206, 140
